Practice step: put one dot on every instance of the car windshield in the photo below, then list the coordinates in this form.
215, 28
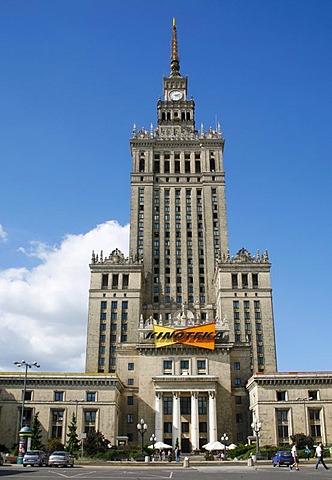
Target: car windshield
32, 452
59, 453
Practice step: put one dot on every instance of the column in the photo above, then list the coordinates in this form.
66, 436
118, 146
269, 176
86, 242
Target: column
176, 418
159, 417
212, 417
194, 433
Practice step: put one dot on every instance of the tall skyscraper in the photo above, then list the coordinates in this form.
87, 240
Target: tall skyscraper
181, 322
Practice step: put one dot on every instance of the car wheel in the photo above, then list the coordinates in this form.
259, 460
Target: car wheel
274, 464
24, 465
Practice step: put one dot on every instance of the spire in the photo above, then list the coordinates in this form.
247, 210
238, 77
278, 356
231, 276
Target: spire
175, 64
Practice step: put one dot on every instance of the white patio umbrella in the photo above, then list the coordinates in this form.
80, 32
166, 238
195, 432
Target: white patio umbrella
214, 446
160, 445
231, 446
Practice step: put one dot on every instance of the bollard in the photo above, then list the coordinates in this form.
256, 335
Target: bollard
147, 459
250, 462
186, 462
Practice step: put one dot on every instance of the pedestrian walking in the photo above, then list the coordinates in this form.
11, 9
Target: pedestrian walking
307, 452
295, 458
319, 456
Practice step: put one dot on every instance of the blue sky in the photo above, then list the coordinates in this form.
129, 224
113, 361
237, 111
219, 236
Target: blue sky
75, 77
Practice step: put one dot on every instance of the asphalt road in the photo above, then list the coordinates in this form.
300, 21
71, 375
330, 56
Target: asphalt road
232, 472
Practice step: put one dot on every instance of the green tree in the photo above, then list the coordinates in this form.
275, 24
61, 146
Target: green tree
36, 436
95, 443
73, 443
302, 440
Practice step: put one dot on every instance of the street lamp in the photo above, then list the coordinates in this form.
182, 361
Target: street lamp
142, 428
304, 399
153, 440
224, 439
256, 426
26, 365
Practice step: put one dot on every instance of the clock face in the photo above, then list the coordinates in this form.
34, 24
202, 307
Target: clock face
175, 95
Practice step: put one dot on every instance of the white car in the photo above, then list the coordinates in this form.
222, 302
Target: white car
61, 458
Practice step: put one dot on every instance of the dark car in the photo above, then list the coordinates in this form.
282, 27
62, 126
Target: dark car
35, 457
61, 459
1, 459
282, 457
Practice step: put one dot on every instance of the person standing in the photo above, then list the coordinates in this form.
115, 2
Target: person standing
319, 456
295, 457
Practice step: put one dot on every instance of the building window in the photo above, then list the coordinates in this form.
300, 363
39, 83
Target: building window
115, 281
89, 421
185, 405
282, 426
130, 418
237, 366
201, 367
167, 427
130, 400
167, 367
239, 418
202, 405
313, 395
255, 280
202, 427
282, 396
131, 366
28, 395
234, 280
90, 396
238, 400
237, 381
130, 381
104, 280
184, 366
57, 422
168, 405
185, 427
58, 396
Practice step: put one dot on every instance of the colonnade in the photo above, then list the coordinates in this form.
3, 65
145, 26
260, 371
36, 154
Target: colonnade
194, 416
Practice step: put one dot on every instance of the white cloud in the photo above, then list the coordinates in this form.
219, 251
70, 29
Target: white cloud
3, 234
43, 311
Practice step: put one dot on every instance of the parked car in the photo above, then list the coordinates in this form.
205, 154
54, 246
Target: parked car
35, 457
1, 459
282, 457
61, 458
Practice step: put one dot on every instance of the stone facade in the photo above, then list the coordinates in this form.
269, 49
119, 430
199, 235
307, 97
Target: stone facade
94, 399
292, 402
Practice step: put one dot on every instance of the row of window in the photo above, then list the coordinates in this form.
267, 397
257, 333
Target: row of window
245, 280
314, 420
57, 417
115, 281
59, 396
282, 396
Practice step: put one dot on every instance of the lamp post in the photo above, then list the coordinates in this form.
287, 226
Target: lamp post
26, 365
24, 437
224, 439
304, 399
153, 441
256, 426
142, 428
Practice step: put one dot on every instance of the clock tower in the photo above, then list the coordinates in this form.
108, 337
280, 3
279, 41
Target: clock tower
175, 112
180, 277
